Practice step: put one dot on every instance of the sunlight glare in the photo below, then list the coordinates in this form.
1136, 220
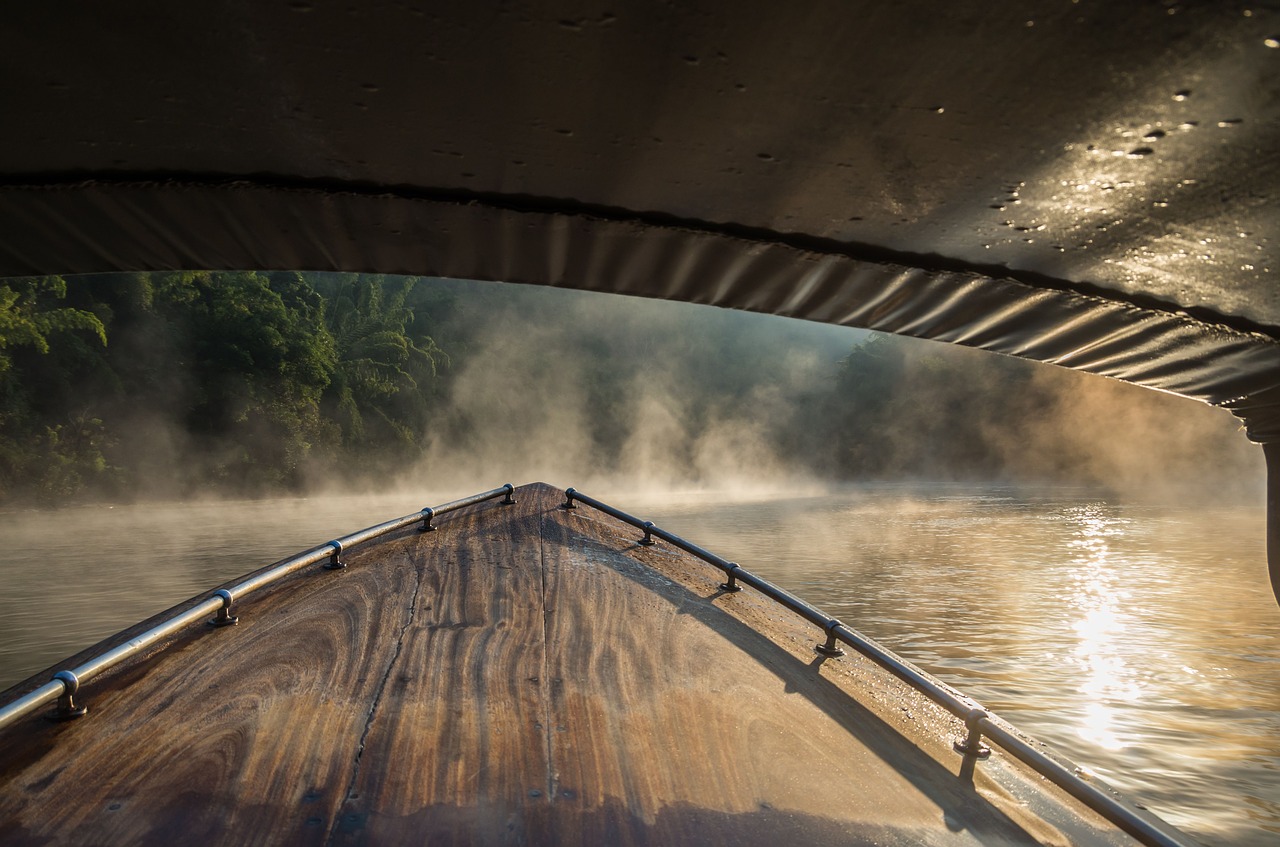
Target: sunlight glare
1098, 629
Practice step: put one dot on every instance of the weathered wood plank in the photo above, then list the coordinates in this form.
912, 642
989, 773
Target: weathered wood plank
457, 746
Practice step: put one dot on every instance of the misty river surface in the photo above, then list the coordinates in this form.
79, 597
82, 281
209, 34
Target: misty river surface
1140, 641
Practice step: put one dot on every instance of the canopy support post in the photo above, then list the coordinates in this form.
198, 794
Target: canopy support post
1272, 452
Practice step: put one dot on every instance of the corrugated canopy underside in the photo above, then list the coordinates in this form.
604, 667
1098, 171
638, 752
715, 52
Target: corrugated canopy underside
1085, 183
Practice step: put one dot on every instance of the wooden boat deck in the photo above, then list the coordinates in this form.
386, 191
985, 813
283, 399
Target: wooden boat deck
524, 675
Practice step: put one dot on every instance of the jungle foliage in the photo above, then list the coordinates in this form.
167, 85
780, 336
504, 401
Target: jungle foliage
244, 382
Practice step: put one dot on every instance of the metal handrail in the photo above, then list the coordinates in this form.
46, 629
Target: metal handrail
64, 684
1147, 829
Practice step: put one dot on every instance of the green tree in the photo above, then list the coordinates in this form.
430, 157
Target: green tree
44, 448
30, 312
861, 417
384, 360
258, 358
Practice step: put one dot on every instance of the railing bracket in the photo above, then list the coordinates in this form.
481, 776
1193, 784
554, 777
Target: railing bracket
731, 584
335, 558
224, 617
67, 709
971, 744
510, 499
830, 649
568, 499
427, 514
647, 541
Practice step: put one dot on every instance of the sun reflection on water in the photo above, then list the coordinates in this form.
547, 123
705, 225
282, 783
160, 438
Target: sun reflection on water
1099, 625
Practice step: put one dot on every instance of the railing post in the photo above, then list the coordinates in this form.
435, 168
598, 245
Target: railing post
731, 584
510, 499
647, 541
830, 649
971, 744
427, 514
67, 709
335, 558
568, 499
224, 618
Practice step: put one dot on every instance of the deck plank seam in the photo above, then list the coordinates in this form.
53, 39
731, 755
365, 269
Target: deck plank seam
377, 700
545, 687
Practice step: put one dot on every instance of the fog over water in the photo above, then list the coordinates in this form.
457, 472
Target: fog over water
654, 394
643, 395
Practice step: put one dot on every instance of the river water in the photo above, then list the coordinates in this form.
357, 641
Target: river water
1140, 641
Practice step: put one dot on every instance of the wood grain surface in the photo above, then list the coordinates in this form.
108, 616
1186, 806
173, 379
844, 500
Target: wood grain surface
523, 675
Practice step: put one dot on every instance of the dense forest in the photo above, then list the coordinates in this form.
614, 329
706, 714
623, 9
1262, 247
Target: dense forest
126, 386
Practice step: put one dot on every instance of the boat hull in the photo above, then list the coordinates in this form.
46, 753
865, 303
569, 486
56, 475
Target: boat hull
524, 674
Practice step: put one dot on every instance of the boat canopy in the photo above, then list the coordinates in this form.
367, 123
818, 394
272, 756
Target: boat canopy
1081, 183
